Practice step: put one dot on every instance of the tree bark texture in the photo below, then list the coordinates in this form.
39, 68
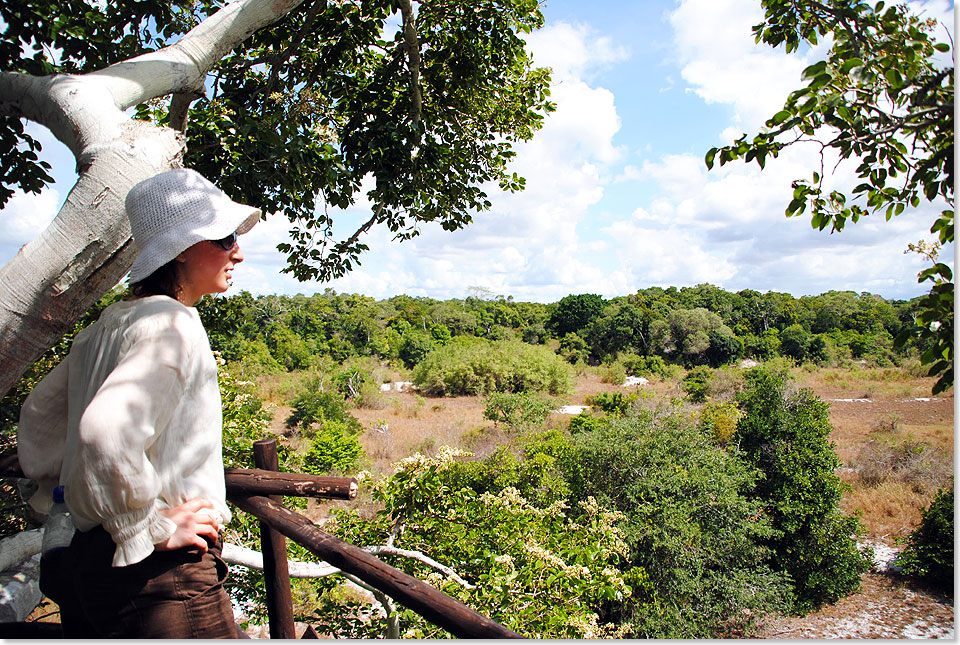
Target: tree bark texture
87, 249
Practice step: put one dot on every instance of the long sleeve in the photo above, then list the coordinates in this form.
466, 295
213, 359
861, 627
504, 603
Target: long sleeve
42, 434
130, 423
116, 432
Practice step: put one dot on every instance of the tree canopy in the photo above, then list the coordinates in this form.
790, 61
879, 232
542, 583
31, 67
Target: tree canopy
302, 107
882, 99
296, 118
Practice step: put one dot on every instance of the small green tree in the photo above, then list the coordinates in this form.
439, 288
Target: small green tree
517, 410
929, 547
786, 437
696, 383
318, 401
795, 342
690, 524
333, 448
541, 571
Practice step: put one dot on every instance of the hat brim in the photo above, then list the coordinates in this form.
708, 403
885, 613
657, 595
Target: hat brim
241, 219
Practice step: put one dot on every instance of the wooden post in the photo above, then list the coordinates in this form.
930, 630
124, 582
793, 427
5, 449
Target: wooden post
431, 603
274, 547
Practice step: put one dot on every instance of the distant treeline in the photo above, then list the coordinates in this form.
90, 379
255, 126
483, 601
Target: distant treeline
690, 326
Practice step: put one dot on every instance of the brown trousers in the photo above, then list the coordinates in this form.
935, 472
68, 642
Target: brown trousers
173, 594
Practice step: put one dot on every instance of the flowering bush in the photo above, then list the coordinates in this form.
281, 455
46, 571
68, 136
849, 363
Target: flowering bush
532, 569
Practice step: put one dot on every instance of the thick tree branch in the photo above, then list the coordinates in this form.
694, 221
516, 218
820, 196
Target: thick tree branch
412, 47
184, 65
87, 249
180, 109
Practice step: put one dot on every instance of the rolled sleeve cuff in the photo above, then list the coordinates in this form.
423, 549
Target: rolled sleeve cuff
136, 533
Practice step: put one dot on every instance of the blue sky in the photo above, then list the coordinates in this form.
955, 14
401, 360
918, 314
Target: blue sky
618, 197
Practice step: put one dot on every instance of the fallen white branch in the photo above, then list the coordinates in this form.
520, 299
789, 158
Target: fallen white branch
19, 547
416, 555
233, 554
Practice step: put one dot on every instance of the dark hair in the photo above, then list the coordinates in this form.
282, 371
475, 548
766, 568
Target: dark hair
165, 281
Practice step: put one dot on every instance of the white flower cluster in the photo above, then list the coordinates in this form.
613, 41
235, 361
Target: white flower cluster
442, 460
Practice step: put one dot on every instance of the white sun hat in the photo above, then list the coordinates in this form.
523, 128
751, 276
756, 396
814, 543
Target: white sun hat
174, 210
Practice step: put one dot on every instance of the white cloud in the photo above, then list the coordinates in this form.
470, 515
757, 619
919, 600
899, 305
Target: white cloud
24, 217
573, 52
722, 64
664, 257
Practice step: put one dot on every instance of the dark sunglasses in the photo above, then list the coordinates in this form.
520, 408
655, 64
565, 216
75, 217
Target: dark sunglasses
227, 243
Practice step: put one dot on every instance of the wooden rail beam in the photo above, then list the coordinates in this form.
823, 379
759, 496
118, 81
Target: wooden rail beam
257, 481
434, 605
253, 481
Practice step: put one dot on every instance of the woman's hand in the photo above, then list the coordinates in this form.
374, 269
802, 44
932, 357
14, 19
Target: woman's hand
192, 525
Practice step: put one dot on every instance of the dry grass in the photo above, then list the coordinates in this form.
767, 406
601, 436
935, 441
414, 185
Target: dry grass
888, 510
865, 383
888, 489
412, 423
897, 449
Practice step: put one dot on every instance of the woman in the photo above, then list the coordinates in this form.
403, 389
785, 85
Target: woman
130, 424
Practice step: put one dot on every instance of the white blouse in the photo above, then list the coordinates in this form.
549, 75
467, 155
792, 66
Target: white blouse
129, 423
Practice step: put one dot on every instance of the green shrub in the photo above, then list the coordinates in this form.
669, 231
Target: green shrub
696, 383
929, 547
474, 366
517, 410
586, 422
613, 403
573, 348
317, 402
358, 379
614, 374
645, 365
719, 420
689, 525
334, 447
533, 468
786, 437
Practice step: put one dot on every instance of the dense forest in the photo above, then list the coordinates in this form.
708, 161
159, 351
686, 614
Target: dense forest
683, 517
702, 325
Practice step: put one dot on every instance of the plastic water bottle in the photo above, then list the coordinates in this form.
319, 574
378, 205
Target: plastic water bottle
56, 568
58, 531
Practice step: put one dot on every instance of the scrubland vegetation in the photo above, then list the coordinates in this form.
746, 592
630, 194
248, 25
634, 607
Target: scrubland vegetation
717, 494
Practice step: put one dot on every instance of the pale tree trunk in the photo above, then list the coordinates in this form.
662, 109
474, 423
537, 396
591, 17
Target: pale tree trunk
87, 248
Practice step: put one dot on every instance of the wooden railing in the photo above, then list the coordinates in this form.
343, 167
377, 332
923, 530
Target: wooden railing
258, 491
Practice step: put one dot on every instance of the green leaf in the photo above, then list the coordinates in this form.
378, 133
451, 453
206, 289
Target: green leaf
780, 117
849, 64
709, 158
813, 70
